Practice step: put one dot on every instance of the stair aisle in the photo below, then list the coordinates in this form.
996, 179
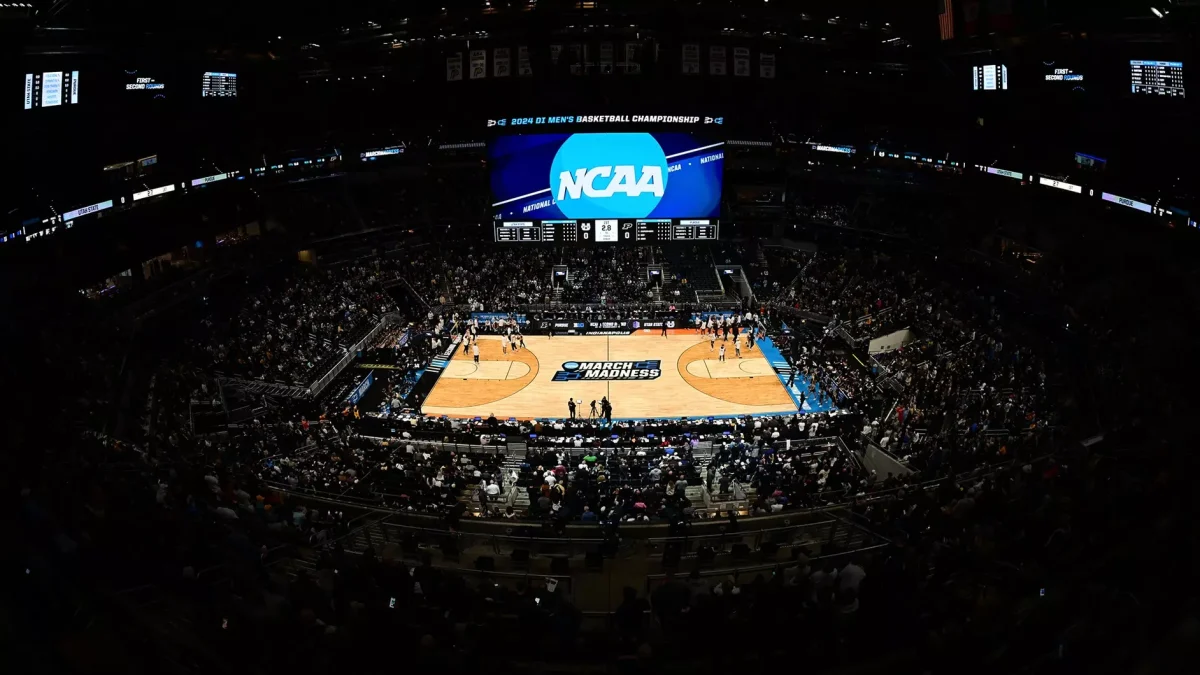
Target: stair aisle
512, 464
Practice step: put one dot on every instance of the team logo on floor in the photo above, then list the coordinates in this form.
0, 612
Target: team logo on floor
608, 370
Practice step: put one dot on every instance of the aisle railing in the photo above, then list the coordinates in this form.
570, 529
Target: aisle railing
344, 362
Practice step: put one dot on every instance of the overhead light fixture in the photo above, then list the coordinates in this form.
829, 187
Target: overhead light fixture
1157, 12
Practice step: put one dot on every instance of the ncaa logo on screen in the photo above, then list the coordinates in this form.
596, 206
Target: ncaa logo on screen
608, 176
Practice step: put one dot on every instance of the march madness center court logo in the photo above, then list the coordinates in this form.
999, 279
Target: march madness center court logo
608, 370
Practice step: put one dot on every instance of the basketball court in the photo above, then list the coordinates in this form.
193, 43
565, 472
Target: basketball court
643, 375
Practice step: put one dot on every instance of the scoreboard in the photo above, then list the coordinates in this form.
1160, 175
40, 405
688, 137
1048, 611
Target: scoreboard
218, 85
51, 88
1160, 78
601, 231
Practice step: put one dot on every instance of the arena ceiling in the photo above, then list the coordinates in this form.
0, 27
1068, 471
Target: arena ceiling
282, 27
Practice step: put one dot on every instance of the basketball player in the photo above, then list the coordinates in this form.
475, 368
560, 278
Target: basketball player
737, 348
712, 340
664, 329
504, 346
722, 357
475, 351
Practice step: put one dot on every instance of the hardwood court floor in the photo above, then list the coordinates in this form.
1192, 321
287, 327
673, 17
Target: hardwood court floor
694, 382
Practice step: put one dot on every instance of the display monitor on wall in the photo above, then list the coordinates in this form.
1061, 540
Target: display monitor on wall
51, 88
219, 85
1157, 78
145, 84
990, 78
606, 175
1062, 75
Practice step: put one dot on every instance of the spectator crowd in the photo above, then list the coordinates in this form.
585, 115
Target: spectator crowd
966, 405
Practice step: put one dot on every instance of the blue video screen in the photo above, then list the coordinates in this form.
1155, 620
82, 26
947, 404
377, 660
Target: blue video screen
606, 175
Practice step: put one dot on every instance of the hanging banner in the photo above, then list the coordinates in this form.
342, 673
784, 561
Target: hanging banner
555, 52
478, 63
690, 63
501, 64
741, 62
454, 67
716, 60
633, 58
576, 59
523, 67
606, 58
766, 65
970, 16
1000, 14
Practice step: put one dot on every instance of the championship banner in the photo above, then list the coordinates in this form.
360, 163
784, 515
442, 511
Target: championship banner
1000, 14
454, 67
741, 62
971, 17
716, 60
766, 65
633, 55
576, 59
478, 63
555, 52
606, 58
501, 65
523, 67
690, 63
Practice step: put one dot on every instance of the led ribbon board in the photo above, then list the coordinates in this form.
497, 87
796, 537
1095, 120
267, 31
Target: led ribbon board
1125, 201
71, 215
1049, 182
154, 192
1005, 173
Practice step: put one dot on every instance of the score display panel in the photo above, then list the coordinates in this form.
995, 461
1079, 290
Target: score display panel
1157, 78
218, 85
605, 176
51, 88
989, 78
602, 231
606, 188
